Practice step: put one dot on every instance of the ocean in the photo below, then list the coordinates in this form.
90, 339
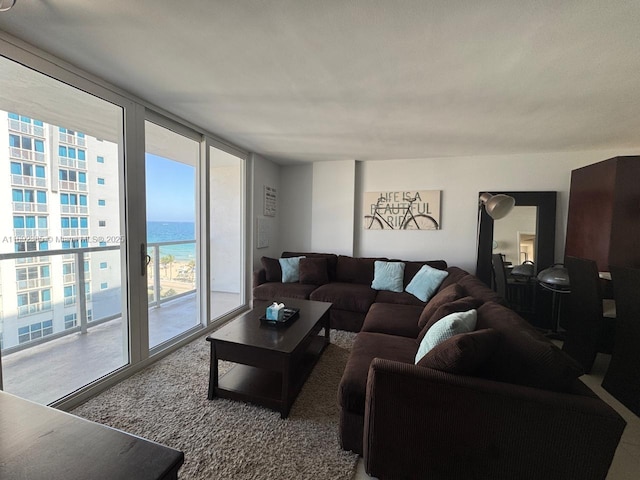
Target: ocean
173, 232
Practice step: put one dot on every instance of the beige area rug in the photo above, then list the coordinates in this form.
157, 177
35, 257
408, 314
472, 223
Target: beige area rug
224, 439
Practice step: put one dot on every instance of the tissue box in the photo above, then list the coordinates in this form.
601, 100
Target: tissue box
275, 312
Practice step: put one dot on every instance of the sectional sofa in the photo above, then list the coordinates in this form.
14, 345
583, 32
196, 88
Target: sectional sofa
499, 401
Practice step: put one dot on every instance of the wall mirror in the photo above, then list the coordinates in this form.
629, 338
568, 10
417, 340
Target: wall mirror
527, 234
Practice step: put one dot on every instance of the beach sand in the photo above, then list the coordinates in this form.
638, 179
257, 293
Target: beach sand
179, 276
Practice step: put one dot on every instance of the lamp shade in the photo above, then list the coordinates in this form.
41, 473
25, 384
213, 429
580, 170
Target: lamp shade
497, 206
6, 5
555, 278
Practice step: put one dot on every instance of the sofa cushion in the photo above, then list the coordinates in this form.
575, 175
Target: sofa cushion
464, 353
273, 272
455, 274
459, 305
355, 270
353, 297
332, 260
449, 294
477, 288
529, 361
392, 319
366, 347
313, 271
447, 327
272, 291
290, 269
388, 276
497, 316
524, 356
411, 268
398, 298
425, 283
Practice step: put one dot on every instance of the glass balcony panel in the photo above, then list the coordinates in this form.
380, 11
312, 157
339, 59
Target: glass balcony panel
68, 162
30, 207
24, 127
33, 283
25, 180
24, 154
32, 233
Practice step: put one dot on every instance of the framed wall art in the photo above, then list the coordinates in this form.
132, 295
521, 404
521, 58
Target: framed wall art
402, 210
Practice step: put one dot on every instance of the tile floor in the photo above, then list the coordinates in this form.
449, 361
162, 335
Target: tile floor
626, 463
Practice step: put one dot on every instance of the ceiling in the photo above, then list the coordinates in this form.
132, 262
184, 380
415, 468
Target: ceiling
313, 80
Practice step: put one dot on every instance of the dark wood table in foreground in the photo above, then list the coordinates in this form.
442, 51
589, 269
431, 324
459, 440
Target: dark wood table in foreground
39, 442
273, 361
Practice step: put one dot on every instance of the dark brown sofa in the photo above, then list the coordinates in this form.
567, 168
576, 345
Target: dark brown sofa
348, 286
517, 410
520, 413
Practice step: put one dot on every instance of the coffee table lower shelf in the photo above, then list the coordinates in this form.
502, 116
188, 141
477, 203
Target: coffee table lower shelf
270, 388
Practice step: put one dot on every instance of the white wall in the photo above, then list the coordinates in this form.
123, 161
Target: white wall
459, 178
295, 208
332, 207
265, 172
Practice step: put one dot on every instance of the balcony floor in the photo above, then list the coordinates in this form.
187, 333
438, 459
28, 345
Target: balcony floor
51, 370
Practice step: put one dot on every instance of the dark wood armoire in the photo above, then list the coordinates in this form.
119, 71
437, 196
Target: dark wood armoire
603, 223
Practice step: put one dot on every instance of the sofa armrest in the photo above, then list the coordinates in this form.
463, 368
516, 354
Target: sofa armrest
423, 423
259, 277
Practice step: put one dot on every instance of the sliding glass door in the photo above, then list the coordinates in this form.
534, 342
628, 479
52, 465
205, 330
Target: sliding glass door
227, 233
63, 317
171, 172
122, 232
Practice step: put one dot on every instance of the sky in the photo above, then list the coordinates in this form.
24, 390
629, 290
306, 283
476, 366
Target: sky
170, 190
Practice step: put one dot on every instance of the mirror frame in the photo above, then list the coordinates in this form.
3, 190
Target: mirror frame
545, 231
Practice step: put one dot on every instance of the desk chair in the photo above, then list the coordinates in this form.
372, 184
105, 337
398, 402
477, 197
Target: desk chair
622, 379
588, 330
519, 293
499, 275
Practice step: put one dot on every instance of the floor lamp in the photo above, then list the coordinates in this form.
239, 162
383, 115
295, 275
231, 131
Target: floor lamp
556, 280
490, 207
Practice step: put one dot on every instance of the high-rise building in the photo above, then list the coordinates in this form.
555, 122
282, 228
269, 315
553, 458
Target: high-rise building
58, 191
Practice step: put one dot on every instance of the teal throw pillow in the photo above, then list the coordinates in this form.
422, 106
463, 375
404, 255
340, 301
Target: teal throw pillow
425, 283
445, 328
290, 269
388, 276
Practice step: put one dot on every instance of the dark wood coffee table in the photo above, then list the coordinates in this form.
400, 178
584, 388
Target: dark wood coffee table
273, 362
38, 442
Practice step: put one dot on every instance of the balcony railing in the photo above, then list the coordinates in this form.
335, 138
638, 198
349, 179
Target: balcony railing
179, 279
169, 279
72, 162
24, 127
73, 139
24, 154
74, 209
73, 186
33, 283
28, 181
30, 207
33, 308
30, 260
75, 232
29, 233
68, 278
